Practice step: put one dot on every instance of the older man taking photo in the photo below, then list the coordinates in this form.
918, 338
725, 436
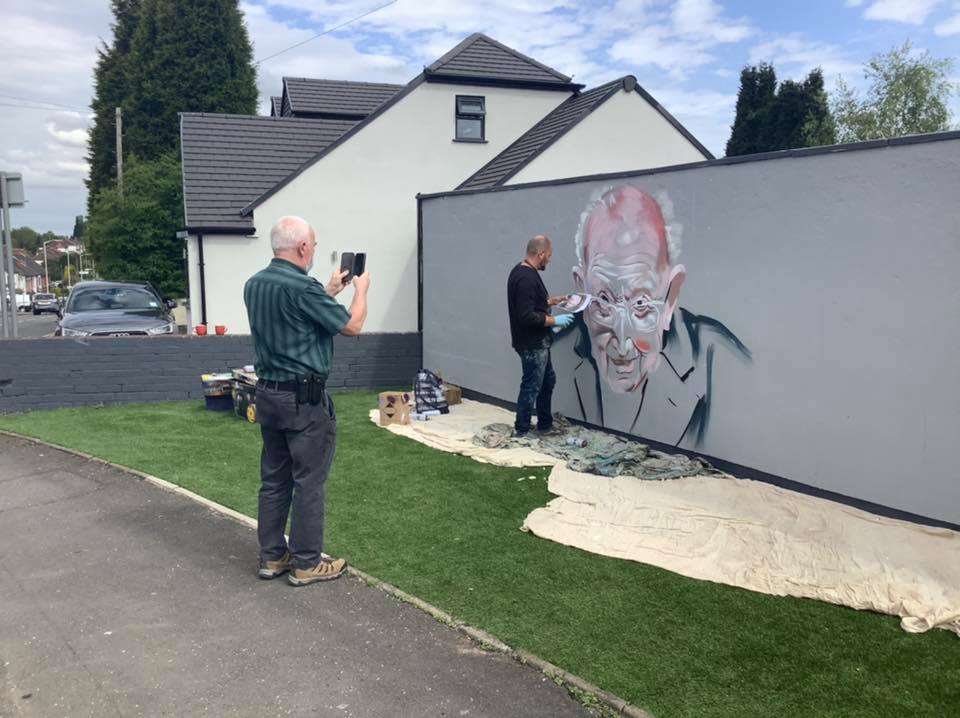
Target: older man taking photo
293, 319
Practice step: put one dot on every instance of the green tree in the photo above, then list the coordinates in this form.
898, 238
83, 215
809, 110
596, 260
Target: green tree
134, 236
769, 118
110, 92
79, 227
757, 93
25, 238
908, 94
186, 57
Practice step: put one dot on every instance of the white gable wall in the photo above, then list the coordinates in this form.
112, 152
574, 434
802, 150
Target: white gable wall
362, 198
624, 133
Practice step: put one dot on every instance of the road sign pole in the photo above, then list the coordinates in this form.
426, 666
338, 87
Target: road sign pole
8, 241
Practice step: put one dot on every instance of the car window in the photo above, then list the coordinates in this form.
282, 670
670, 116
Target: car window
100, 298
44, 296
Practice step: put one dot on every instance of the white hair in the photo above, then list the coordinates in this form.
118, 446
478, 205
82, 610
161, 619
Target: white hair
288, 232
604, 197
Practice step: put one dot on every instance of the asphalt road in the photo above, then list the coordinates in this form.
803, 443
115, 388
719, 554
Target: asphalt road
31, 327
120, 598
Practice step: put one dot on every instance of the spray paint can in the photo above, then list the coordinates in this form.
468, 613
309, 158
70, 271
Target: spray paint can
576, 441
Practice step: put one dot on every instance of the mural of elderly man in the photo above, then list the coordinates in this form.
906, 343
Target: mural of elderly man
642, 364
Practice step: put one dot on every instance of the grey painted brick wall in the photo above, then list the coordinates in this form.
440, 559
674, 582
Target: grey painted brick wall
836, 268
50, 373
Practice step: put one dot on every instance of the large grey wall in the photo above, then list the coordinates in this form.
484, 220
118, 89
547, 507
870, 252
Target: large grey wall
49, 373
838, 270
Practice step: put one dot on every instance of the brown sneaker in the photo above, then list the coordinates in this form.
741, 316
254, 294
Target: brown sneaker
272, 569
327, 570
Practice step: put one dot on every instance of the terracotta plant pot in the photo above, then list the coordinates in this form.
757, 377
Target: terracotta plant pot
201, 330
220, 330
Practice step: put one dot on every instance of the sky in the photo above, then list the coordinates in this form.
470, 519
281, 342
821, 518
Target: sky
686, 53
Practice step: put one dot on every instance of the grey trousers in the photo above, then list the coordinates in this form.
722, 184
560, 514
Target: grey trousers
298, 448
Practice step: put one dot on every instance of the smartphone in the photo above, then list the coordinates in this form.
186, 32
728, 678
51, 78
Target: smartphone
359, 263
346, 264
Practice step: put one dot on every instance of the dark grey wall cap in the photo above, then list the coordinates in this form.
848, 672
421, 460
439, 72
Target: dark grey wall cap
720, 162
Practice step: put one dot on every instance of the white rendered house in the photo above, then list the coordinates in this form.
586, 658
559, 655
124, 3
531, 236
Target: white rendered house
351, 157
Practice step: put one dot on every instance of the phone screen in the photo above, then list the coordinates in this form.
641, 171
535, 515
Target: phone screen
346, 263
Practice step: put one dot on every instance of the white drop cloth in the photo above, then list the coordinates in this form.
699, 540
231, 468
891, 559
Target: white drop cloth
734, 531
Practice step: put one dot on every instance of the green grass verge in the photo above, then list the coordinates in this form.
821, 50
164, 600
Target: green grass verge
446, 529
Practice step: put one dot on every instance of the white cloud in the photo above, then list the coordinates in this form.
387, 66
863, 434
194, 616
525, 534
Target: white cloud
794, 56
854, 3
682, 40
950, 26
912, 12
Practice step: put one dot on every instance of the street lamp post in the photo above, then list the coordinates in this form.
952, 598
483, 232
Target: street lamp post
46, 273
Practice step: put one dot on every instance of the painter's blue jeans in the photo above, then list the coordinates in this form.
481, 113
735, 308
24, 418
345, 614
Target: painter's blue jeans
536, 390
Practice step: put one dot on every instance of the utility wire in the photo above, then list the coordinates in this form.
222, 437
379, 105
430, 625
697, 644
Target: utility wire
325, 32
40, 102
34, 107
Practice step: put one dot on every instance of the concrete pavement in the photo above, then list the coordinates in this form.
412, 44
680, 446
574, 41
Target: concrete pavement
120, 598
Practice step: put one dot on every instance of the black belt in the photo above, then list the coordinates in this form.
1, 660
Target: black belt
277, 385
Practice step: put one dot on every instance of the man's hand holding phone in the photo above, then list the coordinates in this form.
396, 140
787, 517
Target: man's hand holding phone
362, 283
336, 283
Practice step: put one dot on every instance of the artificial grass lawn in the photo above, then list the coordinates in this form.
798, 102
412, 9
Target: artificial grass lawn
446, 528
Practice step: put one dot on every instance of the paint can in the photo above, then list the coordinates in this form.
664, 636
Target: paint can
576, 441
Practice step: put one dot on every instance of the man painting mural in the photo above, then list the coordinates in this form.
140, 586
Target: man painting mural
643, 364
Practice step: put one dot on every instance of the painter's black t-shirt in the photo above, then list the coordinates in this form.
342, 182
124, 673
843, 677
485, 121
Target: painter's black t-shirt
527, 302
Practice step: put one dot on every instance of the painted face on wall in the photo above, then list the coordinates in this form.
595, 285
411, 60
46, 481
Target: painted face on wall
625, 265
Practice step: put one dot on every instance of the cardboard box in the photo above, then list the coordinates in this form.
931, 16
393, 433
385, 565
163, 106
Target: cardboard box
452, 394
395, 407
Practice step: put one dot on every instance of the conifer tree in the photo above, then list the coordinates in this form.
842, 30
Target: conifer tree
186, 56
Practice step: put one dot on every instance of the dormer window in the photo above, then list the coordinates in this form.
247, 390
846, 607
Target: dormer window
471, 112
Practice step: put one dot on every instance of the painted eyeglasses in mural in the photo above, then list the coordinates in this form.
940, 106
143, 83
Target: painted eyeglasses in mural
643, 364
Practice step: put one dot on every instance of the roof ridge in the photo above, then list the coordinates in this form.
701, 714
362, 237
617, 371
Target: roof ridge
344, 82
263, 118
478, 36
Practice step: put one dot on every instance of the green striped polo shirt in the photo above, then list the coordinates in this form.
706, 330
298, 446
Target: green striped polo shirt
292, 320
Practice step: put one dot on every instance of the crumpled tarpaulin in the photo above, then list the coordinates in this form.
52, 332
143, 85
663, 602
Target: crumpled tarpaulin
595, 452
734, 531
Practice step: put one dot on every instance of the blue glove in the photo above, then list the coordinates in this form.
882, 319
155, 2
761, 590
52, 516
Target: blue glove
562, 321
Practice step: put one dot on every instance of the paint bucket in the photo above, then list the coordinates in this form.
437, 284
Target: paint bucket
201, 330
220, 330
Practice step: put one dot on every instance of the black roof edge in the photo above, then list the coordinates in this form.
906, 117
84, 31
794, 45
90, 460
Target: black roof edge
718, 162
516, 53
672, 120
622, 82
183, 174
344, 116
452, 79
410, 87
218, 229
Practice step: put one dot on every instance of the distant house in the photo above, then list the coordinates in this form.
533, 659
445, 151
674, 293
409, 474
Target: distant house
27, 273
350, 157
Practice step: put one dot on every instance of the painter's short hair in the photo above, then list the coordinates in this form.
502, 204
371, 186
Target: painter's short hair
538, 244
605, 197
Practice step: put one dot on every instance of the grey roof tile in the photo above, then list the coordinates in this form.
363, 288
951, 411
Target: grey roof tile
336, 97
230, 160
276, 103
482, 56
535, 140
